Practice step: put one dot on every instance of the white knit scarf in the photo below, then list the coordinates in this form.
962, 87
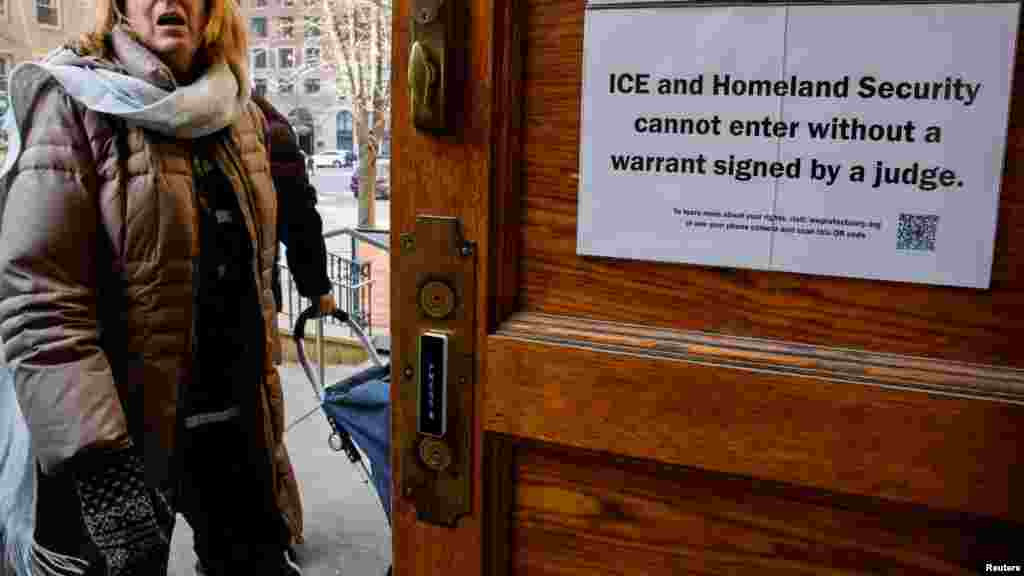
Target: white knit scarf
195, 110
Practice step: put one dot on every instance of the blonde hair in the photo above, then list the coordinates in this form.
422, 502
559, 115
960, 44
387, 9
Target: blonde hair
225, 37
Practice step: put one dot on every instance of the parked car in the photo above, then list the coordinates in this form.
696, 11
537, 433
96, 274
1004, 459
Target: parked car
330, 158
383, 189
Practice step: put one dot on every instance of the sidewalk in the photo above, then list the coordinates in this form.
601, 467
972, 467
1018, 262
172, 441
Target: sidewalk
345, 528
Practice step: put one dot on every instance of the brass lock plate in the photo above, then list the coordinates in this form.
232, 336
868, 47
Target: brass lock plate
433, 349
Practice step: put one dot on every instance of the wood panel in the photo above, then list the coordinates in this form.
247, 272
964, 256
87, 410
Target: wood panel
946, 452
956, 323
587, 513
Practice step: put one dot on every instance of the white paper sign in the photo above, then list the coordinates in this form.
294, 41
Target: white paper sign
850, 140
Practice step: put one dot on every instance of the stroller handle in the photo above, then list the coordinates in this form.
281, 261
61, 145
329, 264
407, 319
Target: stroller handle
341, 316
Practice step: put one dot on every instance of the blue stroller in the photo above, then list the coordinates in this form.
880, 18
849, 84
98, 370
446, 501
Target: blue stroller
358, 409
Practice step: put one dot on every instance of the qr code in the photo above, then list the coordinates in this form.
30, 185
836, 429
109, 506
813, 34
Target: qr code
917, 232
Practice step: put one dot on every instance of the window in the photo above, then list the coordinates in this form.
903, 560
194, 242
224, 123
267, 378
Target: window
6, 62
285, 58
260, 87
343, 130
286, 24
285, 87
312, 27
48, 13
260, 60
261, 3
258, 26
312, 55
3, 110
312, 85
5, 69
3, 9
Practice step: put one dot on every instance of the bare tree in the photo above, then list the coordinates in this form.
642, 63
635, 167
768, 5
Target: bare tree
359, 49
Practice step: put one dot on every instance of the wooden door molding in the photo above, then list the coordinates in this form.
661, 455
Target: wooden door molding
622, 395
934, 376
506, 156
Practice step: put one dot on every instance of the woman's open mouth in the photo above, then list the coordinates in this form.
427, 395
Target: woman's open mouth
170, 19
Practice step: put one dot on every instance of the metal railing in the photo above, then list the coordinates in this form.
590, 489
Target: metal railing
351, 284
373, 236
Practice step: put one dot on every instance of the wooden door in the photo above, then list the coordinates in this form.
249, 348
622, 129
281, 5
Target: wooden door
648, 418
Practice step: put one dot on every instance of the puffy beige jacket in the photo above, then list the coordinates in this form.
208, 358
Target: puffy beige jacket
96, 247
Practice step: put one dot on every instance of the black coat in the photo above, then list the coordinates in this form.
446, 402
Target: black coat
299, 225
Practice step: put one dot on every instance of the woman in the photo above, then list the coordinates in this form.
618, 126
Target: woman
136, 253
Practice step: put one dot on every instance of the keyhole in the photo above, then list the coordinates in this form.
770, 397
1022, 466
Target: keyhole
437, 299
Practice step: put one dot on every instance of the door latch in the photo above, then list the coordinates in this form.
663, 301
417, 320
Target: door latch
429, 73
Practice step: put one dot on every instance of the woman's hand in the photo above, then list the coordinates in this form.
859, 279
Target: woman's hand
327, 304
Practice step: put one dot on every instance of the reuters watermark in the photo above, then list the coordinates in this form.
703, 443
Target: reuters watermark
991, 568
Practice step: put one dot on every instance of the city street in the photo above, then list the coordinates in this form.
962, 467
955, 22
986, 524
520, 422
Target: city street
339, 208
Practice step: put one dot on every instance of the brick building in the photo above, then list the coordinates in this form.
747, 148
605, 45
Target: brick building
285, 47
286, 40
